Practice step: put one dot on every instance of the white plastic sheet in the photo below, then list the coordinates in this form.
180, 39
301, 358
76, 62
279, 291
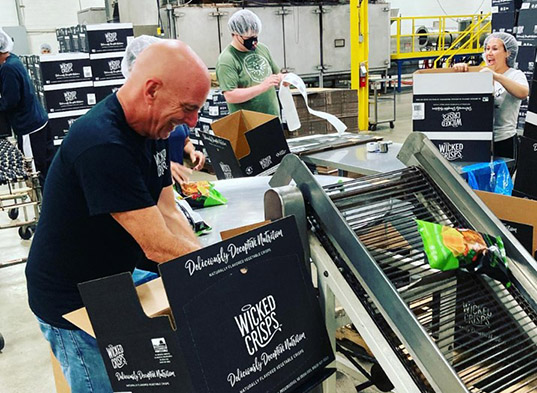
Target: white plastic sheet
288, 106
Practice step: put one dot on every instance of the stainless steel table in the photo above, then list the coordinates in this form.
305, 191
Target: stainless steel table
356, 159
244, 207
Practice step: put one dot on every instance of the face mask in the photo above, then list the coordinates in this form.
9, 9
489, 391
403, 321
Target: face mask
249, 43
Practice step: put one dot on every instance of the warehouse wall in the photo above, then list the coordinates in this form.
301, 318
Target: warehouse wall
42, 17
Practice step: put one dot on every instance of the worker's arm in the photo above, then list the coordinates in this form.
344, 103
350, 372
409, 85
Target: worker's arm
243, 94
161, 231
10, 92
197, 157
513, 87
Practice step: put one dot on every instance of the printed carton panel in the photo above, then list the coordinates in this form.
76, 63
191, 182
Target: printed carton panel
65, 69
526, 30
525, 60
463, 150
452, 112
102, 90
504, 22
251, 293
108, 37
70, 99
527, 162
106, 68
503, 6
60, 126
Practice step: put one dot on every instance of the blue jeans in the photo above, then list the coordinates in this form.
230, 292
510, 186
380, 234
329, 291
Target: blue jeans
79, 357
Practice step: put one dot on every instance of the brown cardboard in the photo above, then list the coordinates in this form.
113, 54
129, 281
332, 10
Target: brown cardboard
234, 127
228, 234
59, 379
519, 210
446, 70
152, 298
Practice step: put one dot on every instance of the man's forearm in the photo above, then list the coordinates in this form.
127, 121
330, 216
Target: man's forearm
240, 95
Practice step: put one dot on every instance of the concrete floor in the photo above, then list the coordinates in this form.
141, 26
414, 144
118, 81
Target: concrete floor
25, 360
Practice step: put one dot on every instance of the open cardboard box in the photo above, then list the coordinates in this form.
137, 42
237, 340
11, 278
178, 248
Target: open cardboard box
455, 111
245, 143
180, 334
519, 215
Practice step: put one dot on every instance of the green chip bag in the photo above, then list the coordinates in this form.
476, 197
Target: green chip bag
449, 248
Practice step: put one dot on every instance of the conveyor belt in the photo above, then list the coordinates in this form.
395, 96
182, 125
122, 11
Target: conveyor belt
449, 331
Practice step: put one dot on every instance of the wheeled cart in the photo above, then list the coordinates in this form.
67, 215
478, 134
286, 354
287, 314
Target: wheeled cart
375, 85
20, 192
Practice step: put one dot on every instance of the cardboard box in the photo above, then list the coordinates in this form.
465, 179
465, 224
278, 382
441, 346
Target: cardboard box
527, 162
455, 111
109, 37
245, 143
65, 68
104, 88
203, 347
519, 216
505, 6
69, 96
60, 122
106, 66
504, 22
526, 31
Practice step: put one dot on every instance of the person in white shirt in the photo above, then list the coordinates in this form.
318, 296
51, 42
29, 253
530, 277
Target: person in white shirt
510, 88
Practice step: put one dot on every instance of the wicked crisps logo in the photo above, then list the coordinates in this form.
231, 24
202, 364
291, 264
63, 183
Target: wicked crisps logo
257, 324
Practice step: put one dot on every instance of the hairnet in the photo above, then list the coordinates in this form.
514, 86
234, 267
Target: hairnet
510, 43
134, 48
6, 43
45, 46
244, 22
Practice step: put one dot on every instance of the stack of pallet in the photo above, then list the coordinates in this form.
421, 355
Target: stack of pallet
342, 103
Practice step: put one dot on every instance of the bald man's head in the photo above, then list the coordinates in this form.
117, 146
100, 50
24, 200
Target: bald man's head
167, 86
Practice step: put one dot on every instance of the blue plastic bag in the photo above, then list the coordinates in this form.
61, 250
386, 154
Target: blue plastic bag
491, 177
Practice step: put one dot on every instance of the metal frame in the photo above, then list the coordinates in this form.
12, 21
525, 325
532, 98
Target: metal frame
398, 315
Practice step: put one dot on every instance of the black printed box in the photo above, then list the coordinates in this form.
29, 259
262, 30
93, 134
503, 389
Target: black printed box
504, 22
106, 66
455, 111
69, 96
526, 31
259, 327
109, 37
527, 162
65, 68
245, 143
106, 87
60, 122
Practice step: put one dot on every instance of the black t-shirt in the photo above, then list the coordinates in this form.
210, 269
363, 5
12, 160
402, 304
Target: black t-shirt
103, 166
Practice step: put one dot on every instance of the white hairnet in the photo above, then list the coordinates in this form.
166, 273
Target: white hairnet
245, 23
6, 43
510, 43
135, 47
45, 46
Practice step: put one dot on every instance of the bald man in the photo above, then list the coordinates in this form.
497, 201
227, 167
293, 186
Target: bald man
108, 202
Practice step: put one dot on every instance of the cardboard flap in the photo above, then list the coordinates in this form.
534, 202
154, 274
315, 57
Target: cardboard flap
123, 314
446, 70
255, 119
233, 127
222, 156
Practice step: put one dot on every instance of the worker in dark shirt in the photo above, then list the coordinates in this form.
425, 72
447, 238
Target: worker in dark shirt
109, 201
27, 118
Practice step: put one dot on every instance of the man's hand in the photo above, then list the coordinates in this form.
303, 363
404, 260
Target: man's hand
271, 81
461, 67
198, 159
180, 173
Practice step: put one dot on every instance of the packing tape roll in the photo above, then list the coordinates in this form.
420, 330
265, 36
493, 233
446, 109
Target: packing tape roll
372, 147
288, 106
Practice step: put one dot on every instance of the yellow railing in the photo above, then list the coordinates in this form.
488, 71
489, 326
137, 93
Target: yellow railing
424, 41
468, 40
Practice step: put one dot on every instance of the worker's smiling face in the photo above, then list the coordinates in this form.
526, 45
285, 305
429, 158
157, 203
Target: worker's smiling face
495, 54
173, 107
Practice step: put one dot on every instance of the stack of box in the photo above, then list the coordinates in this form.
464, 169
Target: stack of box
68, 89
106, 44
87, 70
525, 184
342, 103
504, 15
525, 62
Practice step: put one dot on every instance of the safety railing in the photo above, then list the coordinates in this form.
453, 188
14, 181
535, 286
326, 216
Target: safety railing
435, 36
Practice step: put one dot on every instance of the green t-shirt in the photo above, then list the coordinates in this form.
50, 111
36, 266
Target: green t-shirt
236, 69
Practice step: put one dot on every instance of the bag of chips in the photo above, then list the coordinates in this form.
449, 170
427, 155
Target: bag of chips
200, 194
449, 248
